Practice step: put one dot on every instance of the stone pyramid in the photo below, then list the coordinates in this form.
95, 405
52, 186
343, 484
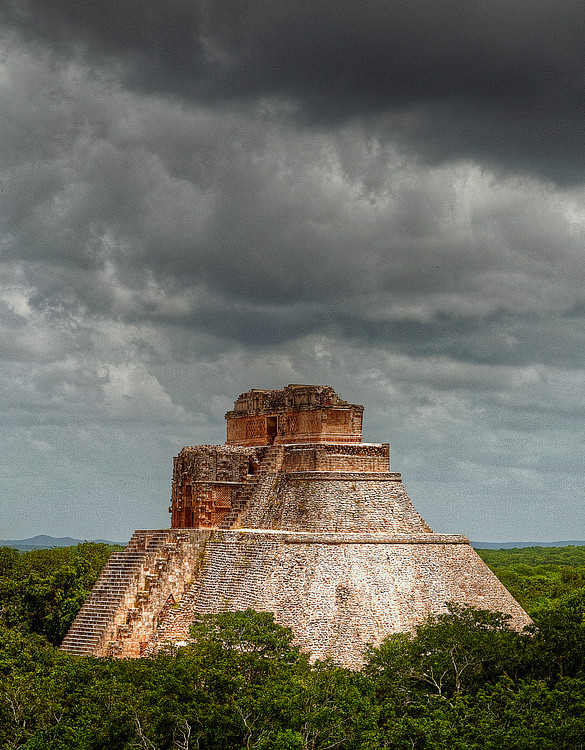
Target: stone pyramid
294, 515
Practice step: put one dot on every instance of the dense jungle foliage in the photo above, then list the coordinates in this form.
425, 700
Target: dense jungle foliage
463, 680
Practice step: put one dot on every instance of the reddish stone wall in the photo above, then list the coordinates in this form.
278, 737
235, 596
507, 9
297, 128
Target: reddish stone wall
136, 592
203, 504
317, 425
296, 414
208, 480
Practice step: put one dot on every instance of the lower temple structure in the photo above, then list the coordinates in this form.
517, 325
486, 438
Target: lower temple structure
294, 515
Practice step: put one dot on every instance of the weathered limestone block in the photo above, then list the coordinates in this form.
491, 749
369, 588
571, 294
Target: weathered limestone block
340, 592
330, 502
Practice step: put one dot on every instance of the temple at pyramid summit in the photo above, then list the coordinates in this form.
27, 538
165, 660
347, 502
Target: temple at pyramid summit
294, 515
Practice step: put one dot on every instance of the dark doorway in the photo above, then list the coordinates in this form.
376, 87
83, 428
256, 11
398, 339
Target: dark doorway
270, 429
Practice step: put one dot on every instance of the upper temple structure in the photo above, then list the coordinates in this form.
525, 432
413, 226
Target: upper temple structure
294, 515
297, 414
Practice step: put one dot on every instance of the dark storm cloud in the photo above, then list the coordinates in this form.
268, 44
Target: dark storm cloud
196, 199
135, 208
497, 339
501, 81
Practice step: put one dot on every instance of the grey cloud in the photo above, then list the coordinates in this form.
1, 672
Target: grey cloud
154, 211
500, 82
181, 221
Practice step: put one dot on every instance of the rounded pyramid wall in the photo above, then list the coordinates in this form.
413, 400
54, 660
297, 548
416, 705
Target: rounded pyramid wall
333, 502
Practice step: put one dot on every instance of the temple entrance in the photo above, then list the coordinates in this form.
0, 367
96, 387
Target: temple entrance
271, 429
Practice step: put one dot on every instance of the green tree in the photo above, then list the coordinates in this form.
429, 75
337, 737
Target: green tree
247, 632
557, 648
41, 591
448, 654
268, 693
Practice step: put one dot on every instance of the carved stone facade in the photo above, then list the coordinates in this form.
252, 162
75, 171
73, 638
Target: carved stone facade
295, 414
208, 480
296, 516
301, 427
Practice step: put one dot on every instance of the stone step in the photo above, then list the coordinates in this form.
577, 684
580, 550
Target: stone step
85, 641
91, 619
86, 645
78, 650
142, 562
83, 635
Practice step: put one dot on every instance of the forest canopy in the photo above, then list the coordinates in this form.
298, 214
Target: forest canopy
464, 679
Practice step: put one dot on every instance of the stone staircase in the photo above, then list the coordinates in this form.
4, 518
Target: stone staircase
128, 599
270, 464
122, 572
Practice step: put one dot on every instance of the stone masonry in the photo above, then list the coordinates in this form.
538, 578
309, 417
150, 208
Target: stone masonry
293, 515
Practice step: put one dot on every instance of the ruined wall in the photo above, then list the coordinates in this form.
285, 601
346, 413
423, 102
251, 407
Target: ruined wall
208, 480
363, 457
301, 426
214, 463
291, 397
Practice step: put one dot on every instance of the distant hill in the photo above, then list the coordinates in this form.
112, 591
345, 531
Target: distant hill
42, 541
515, 545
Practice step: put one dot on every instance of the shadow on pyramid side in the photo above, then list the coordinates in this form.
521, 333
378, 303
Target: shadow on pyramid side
294, 515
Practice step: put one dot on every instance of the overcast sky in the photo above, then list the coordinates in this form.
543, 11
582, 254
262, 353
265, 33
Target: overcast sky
199, 197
